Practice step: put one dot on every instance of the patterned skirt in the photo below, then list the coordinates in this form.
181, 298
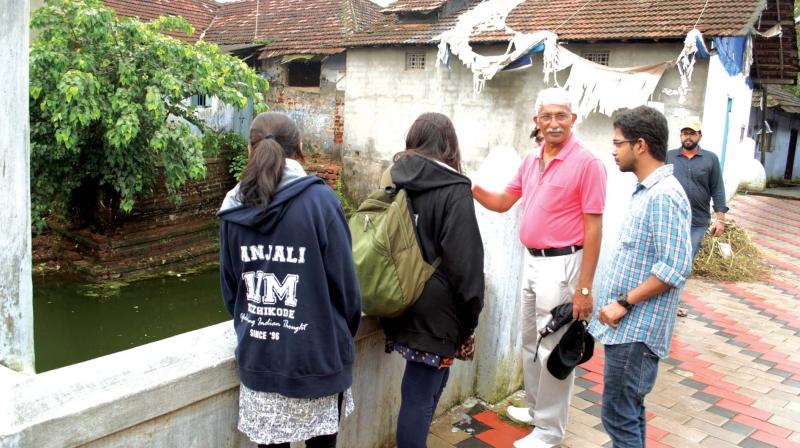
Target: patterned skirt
268, 417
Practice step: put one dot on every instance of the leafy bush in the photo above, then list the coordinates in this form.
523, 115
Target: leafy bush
237, 155
108, 107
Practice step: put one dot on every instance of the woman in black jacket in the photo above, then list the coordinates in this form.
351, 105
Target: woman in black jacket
429, 333
289, 283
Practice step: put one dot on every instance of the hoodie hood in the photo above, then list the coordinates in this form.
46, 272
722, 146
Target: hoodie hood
263, 220
291, 172
416, 173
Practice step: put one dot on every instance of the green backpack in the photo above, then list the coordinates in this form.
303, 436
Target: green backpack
386, 253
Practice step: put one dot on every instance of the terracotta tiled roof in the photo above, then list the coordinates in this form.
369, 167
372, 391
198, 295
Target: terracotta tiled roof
285, 26
778, 98
585, 20
199, 13
775, 58
367, 13
414, 6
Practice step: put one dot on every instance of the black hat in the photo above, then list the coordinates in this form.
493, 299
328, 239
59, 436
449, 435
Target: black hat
575, 347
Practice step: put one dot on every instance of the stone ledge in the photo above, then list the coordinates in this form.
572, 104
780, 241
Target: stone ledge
85, 402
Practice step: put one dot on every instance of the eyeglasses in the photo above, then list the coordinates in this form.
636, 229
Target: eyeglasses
562, 117
619, 143
688, 133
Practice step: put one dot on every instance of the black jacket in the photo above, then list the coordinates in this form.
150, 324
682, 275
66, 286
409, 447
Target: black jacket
288, 281
447, 312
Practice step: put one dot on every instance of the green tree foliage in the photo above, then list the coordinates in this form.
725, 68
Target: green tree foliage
237, 153
109, 111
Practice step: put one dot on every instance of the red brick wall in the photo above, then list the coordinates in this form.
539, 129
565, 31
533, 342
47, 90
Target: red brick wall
159, 236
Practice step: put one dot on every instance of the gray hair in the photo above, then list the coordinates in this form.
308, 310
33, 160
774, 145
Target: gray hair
553, 96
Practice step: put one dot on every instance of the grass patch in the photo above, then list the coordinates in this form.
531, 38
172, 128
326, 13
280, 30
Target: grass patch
347, 206
512, 401
744, 264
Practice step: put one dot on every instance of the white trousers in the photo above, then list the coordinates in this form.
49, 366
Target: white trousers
547, 283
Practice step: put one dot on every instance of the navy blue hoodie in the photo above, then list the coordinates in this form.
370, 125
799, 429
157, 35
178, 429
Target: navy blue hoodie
288, 281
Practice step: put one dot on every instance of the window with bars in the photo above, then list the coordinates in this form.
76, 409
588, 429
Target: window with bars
598, 57
201, 101
415, 61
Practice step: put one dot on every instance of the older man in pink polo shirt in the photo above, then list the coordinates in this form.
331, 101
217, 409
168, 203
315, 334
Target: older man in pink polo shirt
563, 190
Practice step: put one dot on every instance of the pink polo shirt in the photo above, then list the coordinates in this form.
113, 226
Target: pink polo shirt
553, 203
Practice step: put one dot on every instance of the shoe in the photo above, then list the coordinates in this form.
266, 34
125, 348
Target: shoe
530, 441
519, 415
682, 312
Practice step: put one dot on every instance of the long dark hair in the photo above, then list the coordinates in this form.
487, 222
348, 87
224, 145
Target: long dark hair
273, 138
433, 136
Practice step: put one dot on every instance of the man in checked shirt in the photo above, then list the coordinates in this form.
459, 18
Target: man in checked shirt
641, 287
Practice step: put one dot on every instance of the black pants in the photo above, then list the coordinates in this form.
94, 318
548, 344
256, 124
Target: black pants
420, 392
325, 441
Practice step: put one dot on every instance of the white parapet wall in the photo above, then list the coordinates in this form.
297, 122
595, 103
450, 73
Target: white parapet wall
16, 298
183, 391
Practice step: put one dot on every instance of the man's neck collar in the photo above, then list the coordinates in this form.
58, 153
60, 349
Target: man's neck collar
558, 151
659, 171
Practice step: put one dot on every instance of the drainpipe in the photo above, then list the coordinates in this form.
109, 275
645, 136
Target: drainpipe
762, 145
16, 292
725, 134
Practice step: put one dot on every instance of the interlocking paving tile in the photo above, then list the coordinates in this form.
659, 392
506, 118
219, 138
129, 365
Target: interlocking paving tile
473, 443
738, 428
727, 413
590, 396
694, 384
594, 409
766, 363
779, 372
733, 373
751, 353
471, 426
791, 382
751, 443
670, 361
708, 398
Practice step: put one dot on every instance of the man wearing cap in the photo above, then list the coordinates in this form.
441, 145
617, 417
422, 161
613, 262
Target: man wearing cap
562, 186
642, 283
700, 175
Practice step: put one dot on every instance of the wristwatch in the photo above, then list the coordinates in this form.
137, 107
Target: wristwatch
585, 291
623, 300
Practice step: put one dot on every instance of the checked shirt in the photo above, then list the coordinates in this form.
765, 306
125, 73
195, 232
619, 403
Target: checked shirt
654, 240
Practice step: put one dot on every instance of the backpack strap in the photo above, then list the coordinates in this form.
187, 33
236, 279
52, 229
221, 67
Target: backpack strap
386, 183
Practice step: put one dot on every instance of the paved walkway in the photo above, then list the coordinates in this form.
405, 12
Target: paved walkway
792, 192
733, 376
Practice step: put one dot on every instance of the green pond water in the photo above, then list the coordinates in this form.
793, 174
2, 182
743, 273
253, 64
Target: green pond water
74, 322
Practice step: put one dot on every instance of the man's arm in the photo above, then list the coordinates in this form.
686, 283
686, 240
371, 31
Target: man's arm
593, 232
668, 221
492, 200
613, 312
719, 223
718, 196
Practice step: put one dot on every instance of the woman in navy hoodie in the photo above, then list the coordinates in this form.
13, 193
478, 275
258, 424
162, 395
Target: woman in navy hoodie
288, 281
429, 333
